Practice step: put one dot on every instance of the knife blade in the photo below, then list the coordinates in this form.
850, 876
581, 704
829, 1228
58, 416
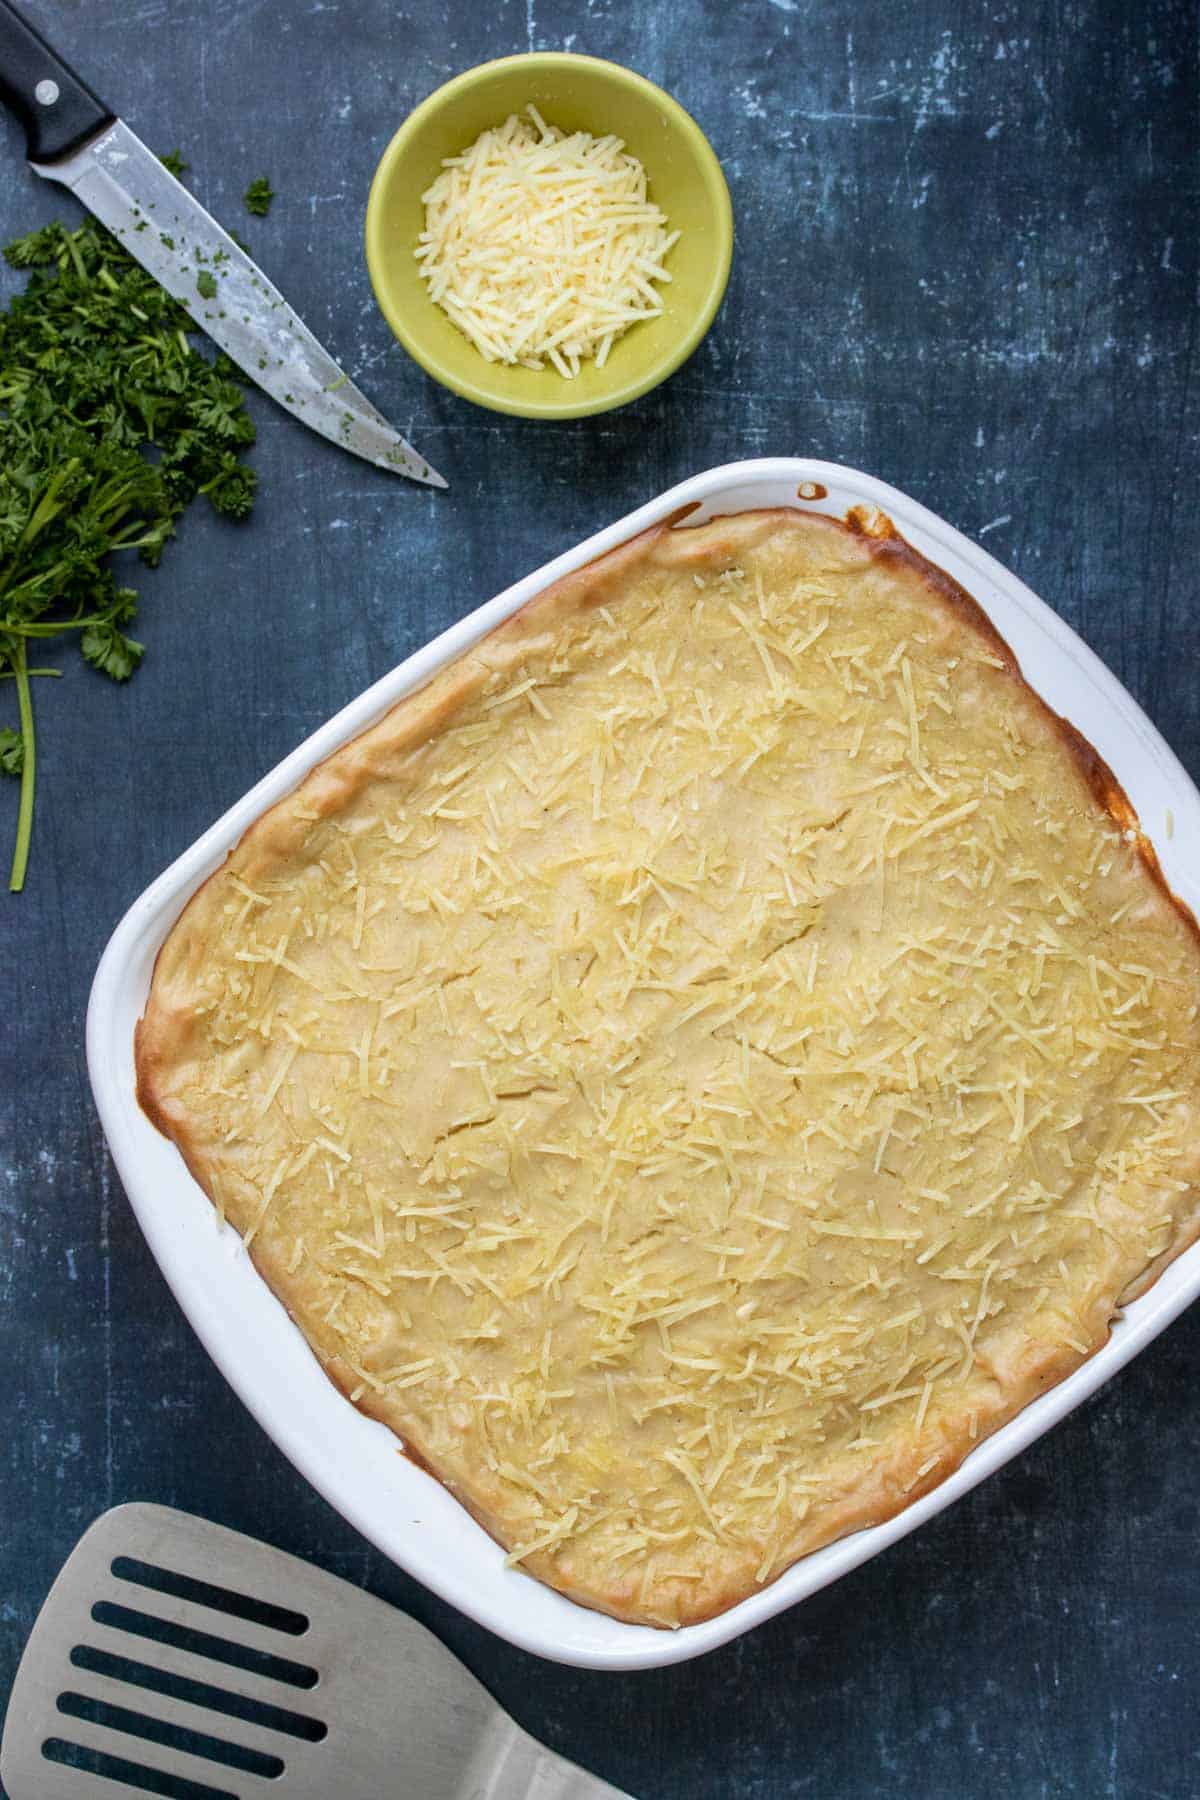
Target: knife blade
74, 139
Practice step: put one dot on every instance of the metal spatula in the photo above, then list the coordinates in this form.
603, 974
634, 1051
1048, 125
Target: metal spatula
177, 1658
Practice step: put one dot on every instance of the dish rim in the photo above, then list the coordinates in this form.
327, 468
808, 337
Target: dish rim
246, 1330
477, 391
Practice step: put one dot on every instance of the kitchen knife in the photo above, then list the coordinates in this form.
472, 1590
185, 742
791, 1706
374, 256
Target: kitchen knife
73, 138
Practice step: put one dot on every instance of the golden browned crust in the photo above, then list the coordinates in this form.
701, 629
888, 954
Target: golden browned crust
220, 1084
888, 543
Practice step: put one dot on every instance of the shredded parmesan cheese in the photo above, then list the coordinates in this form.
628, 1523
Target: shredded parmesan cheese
543, 247
711, 1076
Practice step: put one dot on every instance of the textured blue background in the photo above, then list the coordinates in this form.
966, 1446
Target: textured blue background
966, 261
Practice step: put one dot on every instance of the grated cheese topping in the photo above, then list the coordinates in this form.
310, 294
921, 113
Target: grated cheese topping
700, 1065
543, 247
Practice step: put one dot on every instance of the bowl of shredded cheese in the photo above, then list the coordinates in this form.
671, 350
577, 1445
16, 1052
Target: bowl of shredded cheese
549, 235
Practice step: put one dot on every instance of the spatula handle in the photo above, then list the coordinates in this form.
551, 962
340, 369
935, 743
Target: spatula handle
57, 109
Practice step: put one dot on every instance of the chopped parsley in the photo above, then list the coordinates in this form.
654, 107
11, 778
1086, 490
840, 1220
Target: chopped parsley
174, 164
206, 285
111, 424
258, 197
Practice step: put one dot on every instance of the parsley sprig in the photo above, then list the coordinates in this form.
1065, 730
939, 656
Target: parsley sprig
258, 197
111, 423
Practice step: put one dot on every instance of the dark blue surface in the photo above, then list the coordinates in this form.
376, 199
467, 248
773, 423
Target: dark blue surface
966, 261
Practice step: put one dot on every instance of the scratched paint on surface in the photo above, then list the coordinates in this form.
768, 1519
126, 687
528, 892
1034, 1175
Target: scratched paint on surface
966, 261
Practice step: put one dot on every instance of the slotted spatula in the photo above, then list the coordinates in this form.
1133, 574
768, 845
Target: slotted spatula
174, 1657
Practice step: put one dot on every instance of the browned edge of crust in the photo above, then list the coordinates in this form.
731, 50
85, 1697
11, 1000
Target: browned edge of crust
888, 545
157, 1035
160, 1032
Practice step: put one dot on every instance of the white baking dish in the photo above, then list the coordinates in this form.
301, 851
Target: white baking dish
353, 1461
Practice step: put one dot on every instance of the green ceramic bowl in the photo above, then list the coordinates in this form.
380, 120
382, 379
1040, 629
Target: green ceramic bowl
574, 93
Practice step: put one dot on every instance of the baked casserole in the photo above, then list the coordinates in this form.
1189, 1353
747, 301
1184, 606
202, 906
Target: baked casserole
700, 1064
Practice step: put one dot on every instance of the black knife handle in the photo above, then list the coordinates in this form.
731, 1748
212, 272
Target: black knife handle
57, 110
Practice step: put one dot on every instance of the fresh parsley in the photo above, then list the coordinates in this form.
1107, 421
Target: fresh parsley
111, 423
258, 197
206, 285
174, 164
12, 751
